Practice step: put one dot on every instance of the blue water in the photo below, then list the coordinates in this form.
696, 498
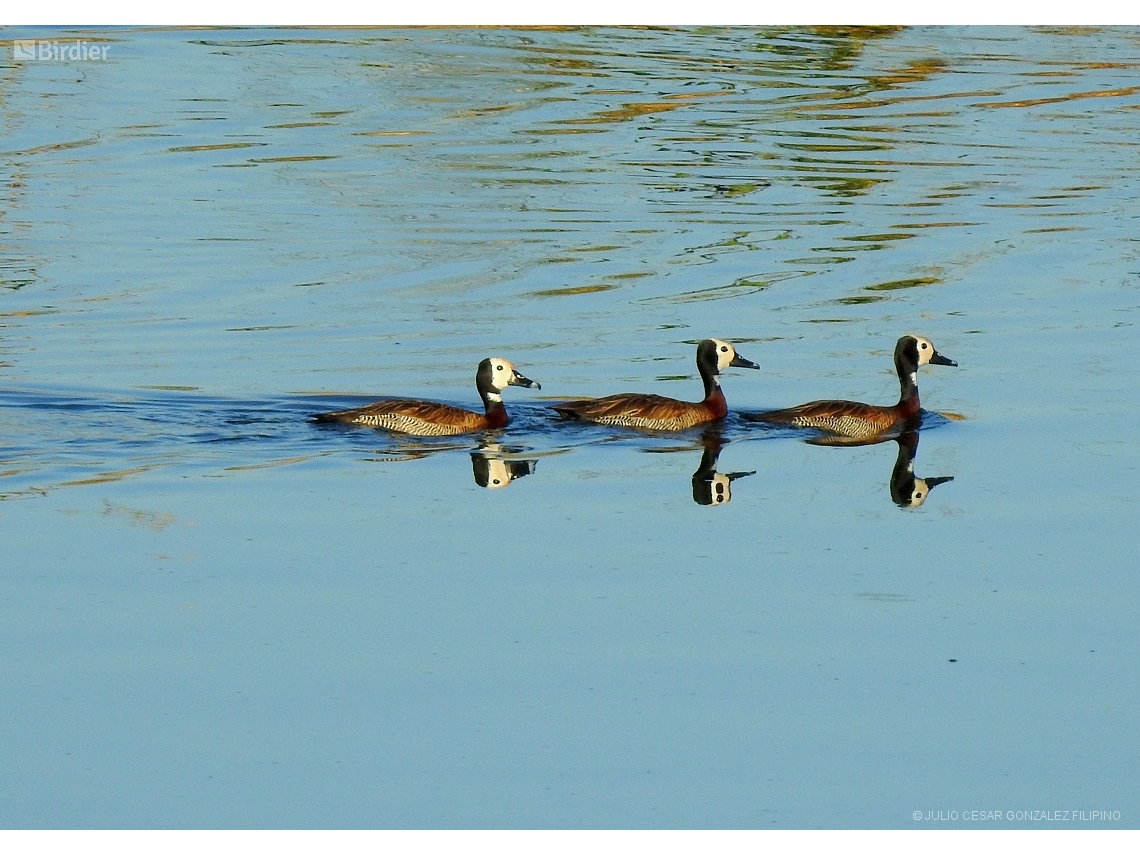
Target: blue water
217, 614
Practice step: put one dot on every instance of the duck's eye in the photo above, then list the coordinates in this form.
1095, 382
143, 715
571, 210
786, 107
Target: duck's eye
724, 350
924, 345
498, 368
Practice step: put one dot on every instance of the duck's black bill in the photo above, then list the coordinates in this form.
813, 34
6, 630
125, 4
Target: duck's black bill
518, 380
939, 359
739, 361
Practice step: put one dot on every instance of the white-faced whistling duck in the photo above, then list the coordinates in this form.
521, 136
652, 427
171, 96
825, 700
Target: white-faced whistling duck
865, 421
654, 412
428, 418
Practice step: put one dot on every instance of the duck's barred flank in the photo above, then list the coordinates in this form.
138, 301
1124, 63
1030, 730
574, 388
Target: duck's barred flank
846, 425
405, 424
670, 421
678, 423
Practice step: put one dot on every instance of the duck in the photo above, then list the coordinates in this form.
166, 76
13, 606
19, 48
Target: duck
857, 421
654, 412
429, 418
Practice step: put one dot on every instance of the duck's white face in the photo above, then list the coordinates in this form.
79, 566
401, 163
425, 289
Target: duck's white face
721, 489
725, 353
918, 493
503, 374
925, 349
498, 475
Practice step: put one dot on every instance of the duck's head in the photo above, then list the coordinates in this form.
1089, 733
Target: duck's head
716, 352
919, 351
495, 374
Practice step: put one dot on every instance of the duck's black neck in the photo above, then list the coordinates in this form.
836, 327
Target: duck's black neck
707, 366
492, 400
906, 364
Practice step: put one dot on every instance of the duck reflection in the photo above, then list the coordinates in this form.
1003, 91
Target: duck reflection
709, 486
493, 467
907, 489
